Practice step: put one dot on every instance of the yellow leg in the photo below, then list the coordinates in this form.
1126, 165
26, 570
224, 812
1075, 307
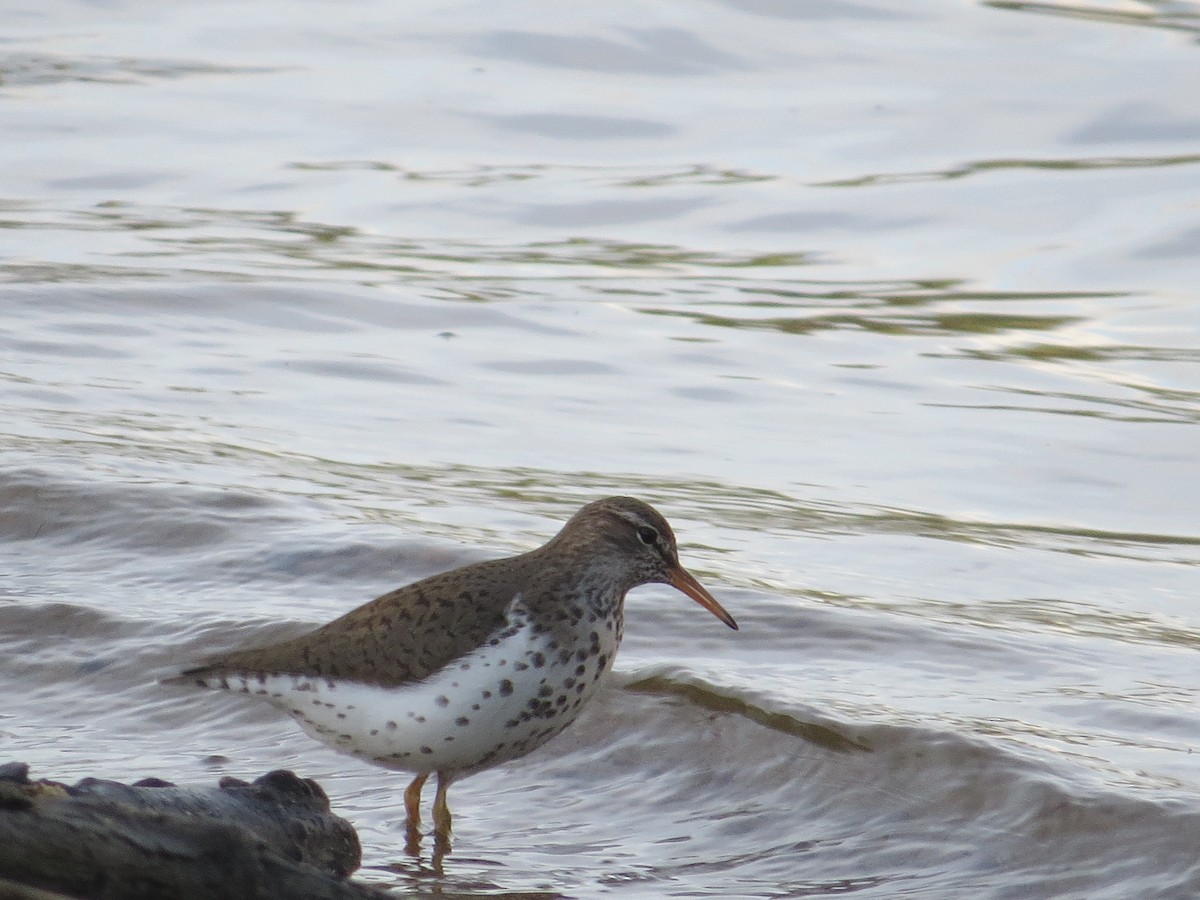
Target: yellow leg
441, 809
412, 801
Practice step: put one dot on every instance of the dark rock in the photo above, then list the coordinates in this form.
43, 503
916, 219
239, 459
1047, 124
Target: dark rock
275, 838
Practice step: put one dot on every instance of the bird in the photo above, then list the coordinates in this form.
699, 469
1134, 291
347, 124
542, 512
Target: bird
473, 667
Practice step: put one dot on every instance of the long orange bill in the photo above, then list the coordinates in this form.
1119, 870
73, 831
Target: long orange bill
681, 579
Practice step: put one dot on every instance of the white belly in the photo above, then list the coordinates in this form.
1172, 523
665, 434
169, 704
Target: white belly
494, 705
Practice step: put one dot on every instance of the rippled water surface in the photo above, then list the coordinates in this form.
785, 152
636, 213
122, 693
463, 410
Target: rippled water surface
891, 308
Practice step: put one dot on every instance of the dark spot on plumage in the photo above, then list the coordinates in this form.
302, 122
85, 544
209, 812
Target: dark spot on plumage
580, 671
426, 749
475, 706
420, 718
568, 683
391, 726
512, 723
519, 667
560, 700
564, 657
442, 700
545, 690
582, 655
602, 661
341, 715
374, 731
486, 695
462, 721
538, 660
506, 687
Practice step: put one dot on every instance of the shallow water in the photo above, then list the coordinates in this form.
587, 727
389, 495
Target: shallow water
890, 310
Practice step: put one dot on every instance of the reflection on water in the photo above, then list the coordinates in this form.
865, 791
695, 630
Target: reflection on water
25, 70
992, 165
1168, 14
876, 311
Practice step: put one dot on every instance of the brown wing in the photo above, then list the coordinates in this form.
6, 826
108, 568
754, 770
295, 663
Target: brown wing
402, 637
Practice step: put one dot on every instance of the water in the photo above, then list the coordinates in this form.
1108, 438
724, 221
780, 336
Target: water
890, 308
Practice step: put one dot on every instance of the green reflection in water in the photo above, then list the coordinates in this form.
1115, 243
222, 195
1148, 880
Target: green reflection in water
990, 165
932, 324
1044, 614
71, 273
608, 176
1157, 406
1099, 353
892, 308
46, 69
277, 238
392, 491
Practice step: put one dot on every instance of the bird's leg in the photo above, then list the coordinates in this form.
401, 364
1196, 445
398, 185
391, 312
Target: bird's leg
441, 809
412, 801
412, 815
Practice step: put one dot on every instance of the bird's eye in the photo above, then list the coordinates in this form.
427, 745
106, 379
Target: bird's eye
647, 535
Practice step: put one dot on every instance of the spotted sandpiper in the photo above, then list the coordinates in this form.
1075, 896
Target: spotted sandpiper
473, 667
